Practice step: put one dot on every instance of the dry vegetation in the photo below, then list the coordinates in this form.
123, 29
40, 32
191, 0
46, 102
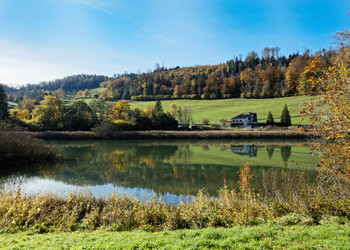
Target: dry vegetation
295, 203
105, 133
19, 148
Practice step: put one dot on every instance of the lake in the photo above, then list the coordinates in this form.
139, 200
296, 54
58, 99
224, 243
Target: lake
174, 169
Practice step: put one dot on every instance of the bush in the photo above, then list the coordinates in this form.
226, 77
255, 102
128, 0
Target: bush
18, 148
205, 121
106, 130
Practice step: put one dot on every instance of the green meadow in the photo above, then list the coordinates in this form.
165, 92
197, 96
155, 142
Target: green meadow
215, 110
276, 236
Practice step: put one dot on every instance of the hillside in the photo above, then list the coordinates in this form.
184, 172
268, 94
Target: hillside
215, 110
254, 77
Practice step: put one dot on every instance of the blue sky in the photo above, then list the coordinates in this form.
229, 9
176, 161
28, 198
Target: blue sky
43, 40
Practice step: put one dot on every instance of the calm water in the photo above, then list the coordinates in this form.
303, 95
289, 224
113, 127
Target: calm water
173, 169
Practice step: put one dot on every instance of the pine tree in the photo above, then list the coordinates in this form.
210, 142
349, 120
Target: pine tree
4, 113
285, 117
270, 120
158, 107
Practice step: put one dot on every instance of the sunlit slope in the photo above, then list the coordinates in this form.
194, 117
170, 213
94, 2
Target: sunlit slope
228, 108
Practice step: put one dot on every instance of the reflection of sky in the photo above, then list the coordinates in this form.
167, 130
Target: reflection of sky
37, 185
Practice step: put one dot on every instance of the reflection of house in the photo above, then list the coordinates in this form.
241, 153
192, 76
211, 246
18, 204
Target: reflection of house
245, 150
244, 120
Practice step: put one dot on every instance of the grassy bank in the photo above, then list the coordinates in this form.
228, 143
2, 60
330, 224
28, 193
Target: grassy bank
214, 134
228, 108
294, 202
277, 236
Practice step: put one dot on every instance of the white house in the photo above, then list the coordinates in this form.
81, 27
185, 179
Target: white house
244, 120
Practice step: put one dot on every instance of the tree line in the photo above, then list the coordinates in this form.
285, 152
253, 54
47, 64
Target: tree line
266, 76
52, 114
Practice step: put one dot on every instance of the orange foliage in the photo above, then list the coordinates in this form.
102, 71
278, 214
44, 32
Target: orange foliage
330, 113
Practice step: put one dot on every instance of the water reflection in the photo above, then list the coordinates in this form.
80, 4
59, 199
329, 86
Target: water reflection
175, 168
245, 150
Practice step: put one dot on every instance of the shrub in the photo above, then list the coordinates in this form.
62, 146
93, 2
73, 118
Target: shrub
106, 130
16, 147
205, 121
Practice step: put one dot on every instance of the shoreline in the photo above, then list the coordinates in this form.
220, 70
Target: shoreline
155, 134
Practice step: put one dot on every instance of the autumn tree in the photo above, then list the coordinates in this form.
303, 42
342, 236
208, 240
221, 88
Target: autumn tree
187, 115
176, 112
205, 121
49, 114
120, 110
330, 111
293, 74
60, 94
26, 103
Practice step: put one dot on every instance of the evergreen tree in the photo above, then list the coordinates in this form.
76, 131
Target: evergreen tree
270, 120
285, 117
4, 113
158, 107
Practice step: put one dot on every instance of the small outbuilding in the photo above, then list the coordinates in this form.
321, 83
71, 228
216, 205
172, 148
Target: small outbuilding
245, 120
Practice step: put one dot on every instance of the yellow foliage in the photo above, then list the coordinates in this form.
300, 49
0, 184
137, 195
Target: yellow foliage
331, 112
120, 109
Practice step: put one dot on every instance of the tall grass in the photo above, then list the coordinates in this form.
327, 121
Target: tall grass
308, 204
158, 134
19, 148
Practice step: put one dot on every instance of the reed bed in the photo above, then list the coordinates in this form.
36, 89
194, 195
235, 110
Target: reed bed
21, 148
293, 205
183, 135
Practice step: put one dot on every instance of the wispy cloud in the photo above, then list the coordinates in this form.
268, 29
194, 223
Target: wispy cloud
165, 39
102, 5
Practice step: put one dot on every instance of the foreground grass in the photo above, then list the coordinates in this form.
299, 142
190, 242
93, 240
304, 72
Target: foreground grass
328, 235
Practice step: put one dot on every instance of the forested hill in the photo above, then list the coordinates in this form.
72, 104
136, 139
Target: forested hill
269, 75
67, 84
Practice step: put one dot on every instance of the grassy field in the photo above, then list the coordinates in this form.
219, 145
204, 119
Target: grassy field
215, 110
228, 108
328, 236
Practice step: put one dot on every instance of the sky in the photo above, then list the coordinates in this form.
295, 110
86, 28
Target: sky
42, 40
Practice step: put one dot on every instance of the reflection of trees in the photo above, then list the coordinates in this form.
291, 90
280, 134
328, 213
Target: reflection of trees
286, 152
269, 150
183, 154
163, 167
51, 170
123, 160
